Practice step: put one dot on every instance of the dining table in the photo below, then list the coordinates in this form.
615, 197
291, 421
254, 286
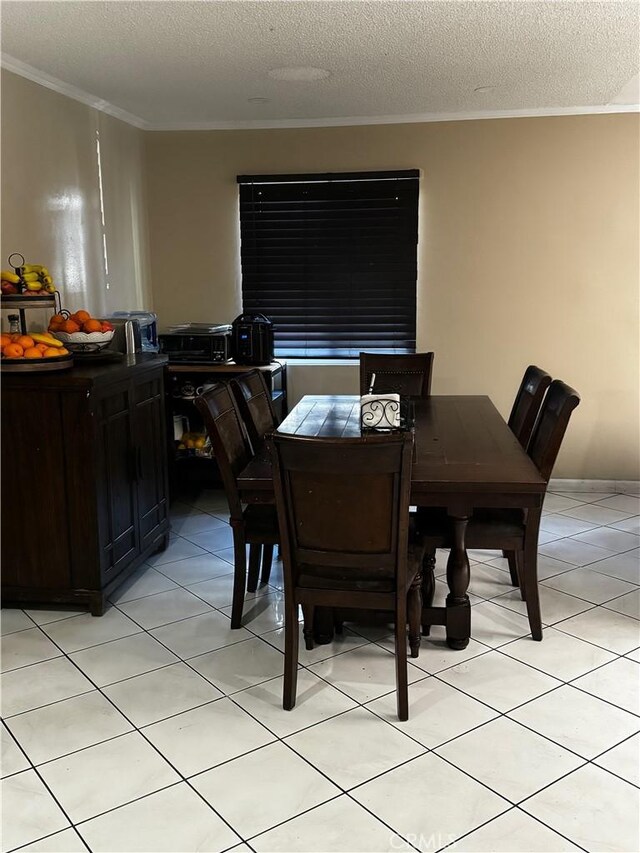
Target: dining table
465, 458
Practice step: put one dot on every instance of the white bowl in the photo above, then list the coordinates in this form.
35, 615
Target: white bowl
84, 341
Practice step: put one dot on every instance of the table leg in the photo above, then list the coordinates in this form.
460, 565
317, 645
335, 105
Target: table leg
323, 625
458, 607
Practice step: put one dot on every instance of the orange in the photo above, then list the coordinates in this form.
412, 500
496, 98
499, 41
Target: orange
25, 342
92, 326
50, 352
13, 351
57, 320
15, 337
32, 352
70, 327
62, 351
42, 347
81, 317
4, 340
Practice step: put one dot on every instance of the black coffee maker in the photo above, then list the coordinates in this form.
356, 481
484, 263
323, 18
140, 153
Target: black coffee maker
252, 339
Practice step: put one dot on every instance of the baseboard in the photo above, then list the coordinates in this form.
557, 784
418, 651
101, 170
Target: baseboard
628, 487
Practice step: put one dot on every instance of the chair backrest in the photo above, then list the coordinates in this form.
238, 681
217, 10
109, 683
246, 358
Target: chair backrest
343, 504
229, 440
551, 426
409, 374
527, 403
255, 405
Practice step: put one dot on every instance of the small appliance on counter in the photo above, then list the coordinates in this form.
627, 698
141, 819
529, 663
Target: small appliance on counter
197, 343
252, 339
126, 338
148, 326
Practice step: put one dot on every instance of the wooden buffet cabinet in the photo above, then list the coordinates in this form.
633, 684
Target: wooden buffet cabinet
84, 480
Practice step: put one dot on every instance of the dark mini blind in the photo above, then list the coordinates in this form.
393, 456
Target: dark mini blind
331, 259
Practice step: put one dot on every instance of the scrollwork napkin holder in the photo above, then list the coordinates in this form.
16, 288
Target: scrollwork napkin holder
380, 412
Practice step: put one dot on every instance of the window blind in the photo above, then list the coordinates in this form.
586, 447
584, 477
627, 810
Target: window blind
331, 259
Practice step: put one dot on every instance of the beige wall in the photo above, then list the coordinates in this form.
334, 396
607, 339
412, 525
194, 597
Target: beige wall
528, 245
51, 202
528, 253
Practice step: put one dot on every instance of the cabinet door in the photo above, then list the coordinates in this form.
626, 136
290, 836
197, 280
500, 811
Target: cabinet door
150, 439
115, 480
35, 534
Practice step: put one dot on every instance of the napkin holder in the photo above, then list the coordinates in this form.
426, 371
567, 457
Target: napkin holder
380, 412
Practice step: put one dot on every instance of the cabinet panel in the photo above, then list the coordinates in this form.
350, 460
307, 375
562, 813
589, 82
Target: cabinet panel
35, 537
151, 462
116, 498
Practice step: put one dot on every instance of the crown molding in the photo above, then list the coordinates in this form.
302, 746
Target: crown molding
36, 76
77, 94
415, 118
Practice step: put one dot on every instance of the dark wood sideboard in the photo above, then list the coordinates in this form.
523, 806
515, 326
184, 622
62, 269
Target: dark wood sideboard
84, 480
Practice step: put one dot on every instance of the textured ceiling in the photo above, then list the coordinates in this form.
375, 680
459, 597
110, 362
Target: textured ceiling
197, 64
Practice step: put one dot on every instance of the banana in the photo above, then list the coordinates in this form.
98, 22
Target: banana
46, 279
34, 286
27, 268
50, 288
30, 276
44, 272
7, 275
49, 340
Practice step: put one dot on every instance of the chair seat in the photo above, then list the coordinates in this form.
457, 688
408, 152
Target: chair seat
261, 523
327, 577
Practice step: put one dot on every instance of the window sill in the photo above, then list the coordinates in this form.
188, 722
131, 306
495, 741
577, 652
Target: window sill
319, 362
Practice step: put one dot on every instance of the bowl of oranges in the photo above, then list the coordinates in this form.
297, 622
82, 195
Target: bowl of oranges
33, 351
80, 332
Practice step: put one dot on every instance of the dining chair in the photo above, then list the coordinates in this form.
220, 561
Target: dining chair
515, 529
409, 375
343, 511
256, 525
527, 403
255, 405
522, 418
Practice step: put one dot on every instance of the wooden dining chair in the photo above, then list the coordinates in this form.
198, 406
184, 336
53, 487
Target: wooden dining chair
522, 418
527, 403
343, 510
257, 524
515, 529
409, 375
255, 405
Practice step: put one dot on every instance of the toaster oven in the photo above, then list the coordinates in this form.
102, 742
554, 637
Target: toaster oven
196, 343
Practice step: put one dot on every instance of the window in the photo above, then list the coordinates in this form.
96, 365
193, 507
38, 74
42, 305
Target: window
331, 259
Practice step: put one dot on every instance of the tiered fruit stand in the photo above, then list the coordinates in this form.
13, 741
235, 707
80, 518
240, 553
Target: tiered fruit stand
22, 303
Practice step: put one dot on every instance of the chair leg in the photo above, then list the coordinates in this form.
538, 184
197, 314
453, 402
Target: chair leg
529, 575
267, 559
239, 578
519, 562
307, 630
401, 657
255, 552
414, 613
290, 653
428, 583
513, 569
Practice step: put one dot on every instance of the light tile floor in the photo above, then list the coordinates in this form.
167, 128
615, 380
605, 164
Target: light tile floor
157, 728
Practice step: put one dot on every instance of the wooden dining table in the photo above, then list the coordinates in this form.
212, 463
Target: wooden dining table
465, 458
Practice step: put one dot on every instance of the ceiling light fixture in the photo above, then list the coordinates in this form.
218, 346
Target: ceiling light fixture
259, 100
481, 90
299, 74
